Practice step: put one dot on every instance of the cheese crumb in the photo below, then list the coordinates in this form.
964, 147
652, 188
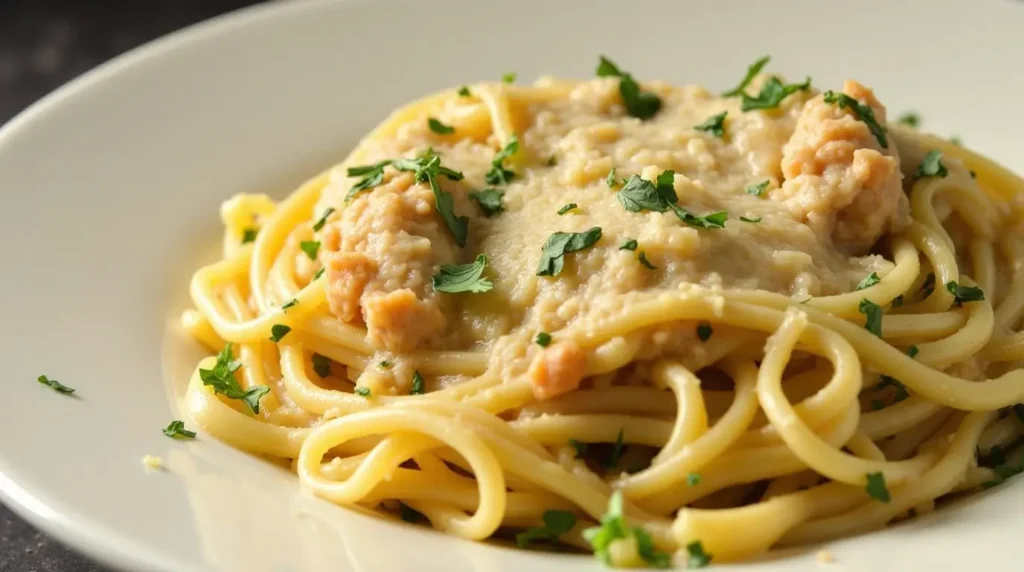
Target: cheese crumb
825, 557
152, 463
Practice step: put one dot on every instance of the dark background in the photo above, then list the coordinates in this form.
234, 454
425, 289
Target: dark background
43, 44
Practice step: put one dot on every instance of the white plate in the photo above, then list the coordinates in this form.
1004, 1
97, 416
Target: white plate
110, 189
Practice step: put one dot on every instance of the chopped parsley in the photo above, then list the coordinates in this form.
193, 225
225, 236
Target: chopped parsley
897, 301
490, 201
176, 430
464, 91
963, 294
556, 523
956, 141
319, 273
696, 557
610, 179
876, 487
752, 71
427, 168
931, 165
289, 304
912, 351
440, 128
641, 194
222, 379
613, 527
567, 208
581, 448
1003, 472
372, 176
613, 459
714, 125
278, 331
863, 112
646, 263
869, 281
558, 244
385, 364
418, 385
901, 390
249, 235
542, 339
55, 385
745, 219
499, 175
321, 365
510, 77
772, 93
693, 479
630, 244
910, 119
704, 331
362, 391
873, 315
320, 222
310, 247
639, 104
758, 189
456, 278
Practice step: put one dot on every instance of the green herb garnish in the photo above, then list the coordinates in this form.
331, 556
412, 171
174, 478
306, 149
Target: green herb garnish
910, 119
362, 391
176, 430
714, 125
427, 168
319, 273
876, 487
289, 304
901, 390
464, 91
510, 77
372, 176
323, 219
581, 448
693, 479
440, 128
456, 278
418, 385
868, 281
558, 244
278, 331
646, 263
628, 245
745, 219
249, 235
490, 201
222, 379
542, 339
310, 247
567, 208
873, 314
610, 179
641, 194
321, 365
963, 294
639, 104
772, 93
931, 165
385, 364
613, 527
55, 385
863, 112
912, 351
613, 459
696, 557
752, 71
499, 175
556, 523
704, 331
758, 189
897, 301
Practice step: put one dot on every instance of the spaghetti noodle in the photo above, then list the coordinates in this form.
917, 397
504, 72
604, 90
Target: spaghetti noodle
761, 344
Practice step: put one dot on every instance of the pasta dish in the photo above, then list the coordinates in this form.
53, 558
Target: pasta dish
659, 324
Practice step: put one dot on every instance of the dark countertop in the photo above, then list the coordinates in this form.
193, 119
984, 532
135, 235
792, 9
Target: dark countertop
43, 44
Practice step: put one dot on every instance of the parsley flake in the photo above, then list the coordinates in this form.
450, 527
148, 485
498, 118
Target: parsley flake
757, 189
372, 176
696, 557
464, 91
693, 479
440, 128
385, 364
876, 487
278, 331
567, 208
510, 77
613, 459
222, 379
556, 523
490, 201
362, 391
613, 527
427, 168
630, 244
963, 294
320, 222
901, 390
910, 119
646, 263
310, 247
931, 165
897, 301
912, 351
868, 281
456, 278
55, 385
873, 315
714, 125
610, 179
289, 304
704, 331
639, 104
249, 235
543, 339
418, 385
499, 175
581, 448
559, 244
752, 71
321, 365
176, 430
640, 194
772, 93
755, 220
863, 112
319, 272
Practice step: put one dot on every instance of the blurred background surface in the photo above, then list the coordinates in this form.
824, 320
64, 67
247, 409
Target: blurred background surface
43, 44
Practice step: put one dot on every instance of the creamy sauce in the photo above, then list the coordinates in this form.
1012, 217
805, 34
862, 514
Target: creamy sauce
833, 191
